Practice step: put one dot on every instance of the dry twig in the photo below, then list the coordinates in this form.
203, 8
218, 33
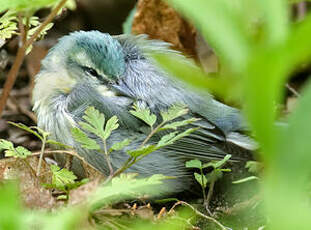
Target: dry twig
11, 77
198, 213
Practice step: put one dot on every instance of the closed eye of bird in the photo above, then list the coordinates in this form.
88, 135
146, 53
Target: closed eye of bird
90, 71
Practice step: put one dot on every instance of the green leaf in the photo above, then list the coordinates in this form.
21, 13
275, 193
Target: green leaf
165, 140
120, 145
28, 129
144, 115
177, 124
123, 188
246, 179
11, 211
143, 151
170, 138
53, 142
8, 25
201, 179
217, 164
76, 184
10, 151
25, 5
71, 4
84, 140
95, 121
220, 163
174, 112
179, 136
111, 125
254, 166
276, 24
62, 197
213, 176
62, 177
224, 170
4, 144
194, 164
22, 152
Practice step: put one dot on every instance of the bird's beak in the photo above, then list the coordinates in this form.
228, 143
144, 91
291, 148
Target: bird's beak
122, 88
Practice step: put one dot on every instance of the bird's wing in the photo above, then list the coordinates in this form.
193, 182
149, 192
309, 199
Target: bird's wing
150, 84
210, 143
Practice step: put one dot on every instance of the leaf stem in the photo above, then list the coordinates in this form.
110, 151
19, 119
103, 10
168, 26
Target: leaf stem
153, 131
132, 160
41, 155
209, 195
203, 185
111, 173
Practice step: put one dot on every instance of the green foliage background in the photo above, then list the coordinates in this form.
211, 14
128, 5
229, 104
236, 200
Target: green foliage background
261, 62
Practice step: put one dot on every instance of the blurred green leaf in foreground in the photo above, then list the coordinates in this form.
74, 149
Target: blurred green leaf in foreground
261, 62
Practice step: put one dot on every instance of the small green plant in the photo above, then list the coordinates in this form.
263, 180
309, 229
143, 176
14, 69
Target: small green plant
18, 152
210, 178
95, 123
42, 135
64, 180
11, 151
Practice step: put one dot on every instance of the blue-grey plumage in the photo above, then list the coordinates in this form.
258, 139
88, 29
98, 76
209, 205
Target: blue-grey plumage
111, 73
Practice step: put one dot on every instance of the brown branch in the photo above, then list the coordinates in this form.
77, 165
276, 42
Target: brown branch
8, 85
11, 77
72, 153
22, 29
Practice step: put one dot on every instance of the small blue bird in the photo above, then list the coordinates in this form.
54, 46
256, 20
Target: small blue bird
112, 73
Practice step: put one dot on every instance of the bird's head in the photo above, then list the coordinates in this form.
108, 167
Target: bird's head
90, 56
79, 68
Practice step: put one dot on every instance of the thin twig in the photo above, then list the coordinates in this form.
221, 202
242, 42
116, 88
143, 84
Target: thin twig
73, 153
153, 131
132, 160
41, 155
197, 213
22, 29
203, 185
292, 90
124, 167
209, 196
68, 163
11, 77
108, 158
